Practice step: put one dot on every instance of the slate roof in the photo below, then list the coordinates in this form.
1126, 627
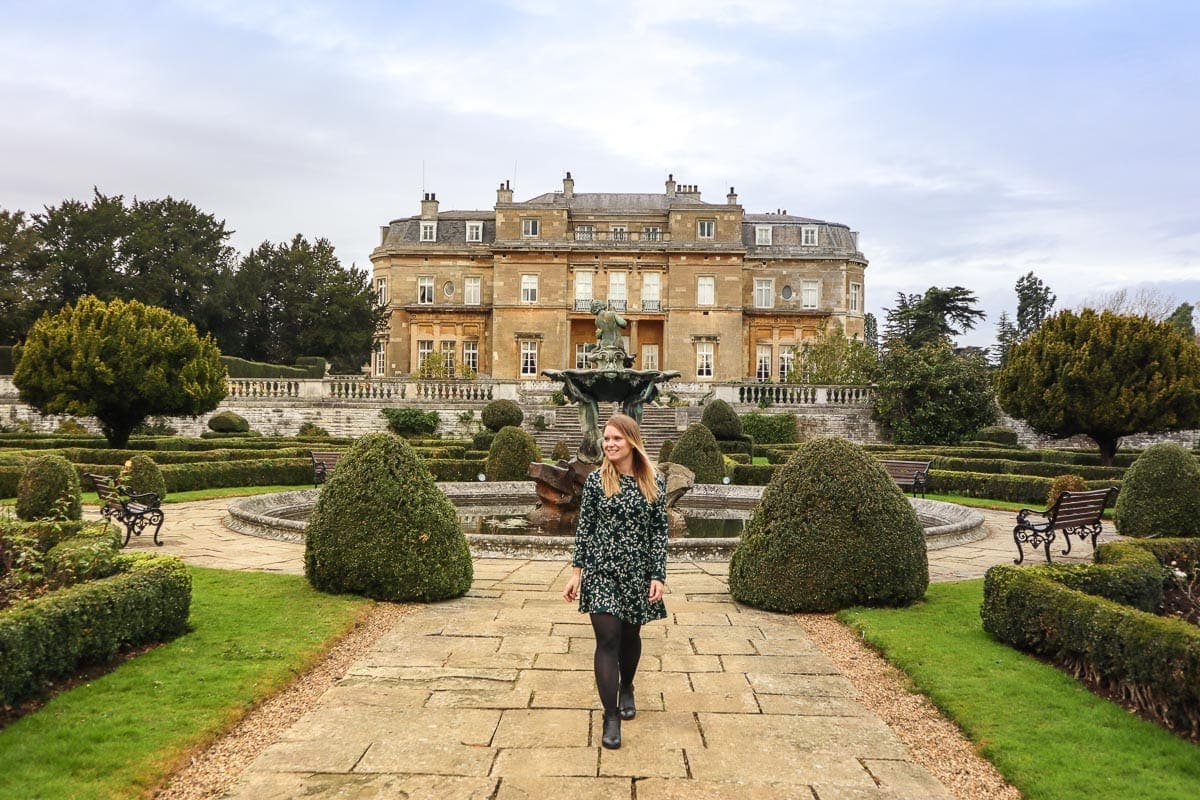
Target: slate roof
616, 201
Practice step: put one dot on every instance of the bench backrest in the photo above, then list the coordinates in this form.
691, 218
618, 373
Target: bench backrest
905, 469
327, 460
1073, 509
107, 490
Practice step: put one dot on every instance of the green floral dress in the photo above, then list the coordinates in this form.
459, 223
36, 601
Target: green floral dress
621, 544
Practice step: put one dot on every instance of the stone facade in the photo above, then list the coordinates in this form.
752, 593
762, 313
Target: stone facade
707, 289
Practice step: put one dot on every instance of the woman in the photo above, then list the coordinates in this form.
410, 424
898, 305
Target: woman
619, 569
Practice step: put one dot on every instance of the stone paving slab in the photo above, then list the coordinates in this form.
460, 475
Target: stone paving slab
491, 695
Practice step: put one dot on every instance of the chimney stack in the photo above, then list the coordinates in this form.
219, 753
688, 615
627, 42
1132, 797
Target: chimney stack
670, 186
731, 198
504, 193
568, 187
429, 206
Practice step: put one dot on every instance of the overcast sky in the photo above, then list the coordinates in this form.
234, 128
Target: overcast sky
968, 142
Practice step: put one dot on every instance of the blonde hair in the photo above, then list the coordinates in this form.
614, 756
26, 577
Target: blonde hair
643, 470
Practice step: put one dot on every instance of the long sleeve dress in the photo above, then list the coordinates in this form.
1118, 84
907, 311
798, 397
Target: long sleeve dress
621, 545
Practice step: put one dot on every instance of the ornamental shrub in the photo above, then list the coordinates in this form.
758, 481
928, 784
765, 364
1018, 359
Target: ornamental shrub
1160, 494
1065, 483
501, 414
720, 418
411, 421
664, 452
770, 428
512, 451
88, 555
832, 531
561, 451
996, 433
698, 451
381, 528
49, 489
140, 475
69, 426
311, 430
228, 422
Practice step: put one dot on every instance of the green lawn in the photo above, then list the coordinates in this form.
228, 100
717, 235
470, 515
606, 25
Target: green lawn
1050, 737
114, 737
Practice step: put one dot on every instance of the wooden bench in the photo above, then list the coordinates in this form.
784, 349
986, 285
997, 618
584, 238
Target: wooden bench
134, 511
913, 475
323, 465
1075, 513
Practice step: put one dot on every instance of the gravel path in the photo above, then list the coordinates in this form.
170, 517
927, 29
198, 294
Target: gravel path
214, 770
936, 743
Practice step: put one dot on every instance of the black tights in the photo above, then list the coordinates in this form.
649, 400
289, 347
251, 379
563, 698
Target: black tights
618, 650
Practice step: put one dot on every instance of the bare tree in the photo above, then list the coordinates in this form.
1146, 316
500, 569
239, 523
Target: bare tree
1143, 301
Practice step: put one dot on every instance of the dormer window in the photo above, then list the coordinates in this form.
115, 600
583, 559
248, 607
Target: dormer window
808, 235
474, 231
706, 229
531, 227
428, 231
762, 235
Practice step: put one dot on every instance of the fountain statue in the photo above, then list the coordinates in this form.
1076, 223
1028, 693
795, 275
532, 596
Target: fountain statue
609, 378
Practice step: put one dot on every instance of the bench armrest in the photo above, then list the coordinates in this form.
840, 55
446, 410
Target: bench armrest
150, 499
1023, 515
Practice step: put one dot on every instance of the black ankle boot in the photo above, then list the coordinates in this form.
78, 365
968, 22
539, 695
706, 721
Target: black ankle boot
625, 706
612, 730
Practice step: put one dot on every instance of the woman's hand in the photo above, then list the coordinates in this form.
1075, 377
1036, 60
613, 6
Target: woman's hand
571, 591
657, 588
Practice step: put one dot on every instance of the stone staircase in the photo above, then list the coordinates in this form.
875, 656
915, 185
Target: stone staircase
659, 423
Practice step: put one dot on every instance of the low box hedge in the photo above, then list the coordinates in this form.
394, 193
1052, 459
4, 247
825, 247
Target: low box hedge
1044, 469
456, 469
52, 637
47, 533
753, 474
1078, 616
731, 446
246, 472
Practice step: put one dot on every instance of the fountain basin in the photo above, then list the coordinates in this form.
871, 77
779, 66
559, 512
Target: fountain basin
283, 516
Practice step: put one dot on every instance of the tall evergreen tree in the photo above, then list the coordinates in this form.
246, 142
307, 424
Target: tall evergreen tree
1182, 320
1034, 304
1006, 337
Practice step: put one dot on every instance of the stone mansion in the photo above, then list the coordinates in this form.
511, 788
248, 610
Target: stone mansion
706, 288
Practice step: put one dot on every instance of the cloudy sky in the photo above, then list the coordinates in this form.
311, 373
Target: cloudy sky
969, 141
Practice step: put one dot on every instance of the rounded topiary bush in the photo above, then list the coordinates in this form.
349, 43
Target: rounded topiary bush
832, 531
311, 430
998, 434
512, 451
720, 418
1064, 483
664, 452
49, 489
1160, 494
561, 451
228, 422
698, 451
140, 475
382, 528
501, 414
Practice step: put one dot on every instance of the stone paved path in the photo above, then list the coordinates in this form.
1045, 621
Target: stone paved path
491, 696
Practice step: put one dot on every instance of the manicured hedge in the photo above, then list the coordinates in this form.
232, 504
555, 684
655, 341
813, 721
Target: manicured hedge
1044, 469
252, 472
306, 367
456, 469
6, 360
753, 474
743, 444
1151, 662
52, 637
48, 534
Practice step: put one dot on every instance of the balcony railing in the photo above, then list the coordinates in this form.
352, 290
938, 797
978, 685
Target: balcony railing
583, 304
651, 305
624, 237
617, 305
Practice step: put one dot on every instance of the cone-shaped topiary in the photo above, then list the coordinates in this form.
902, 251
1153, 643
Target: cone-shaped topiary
664, 452
512, 451
500, 414
140, 475
49, 489
832, 531
1160, 494
561, 451
720, 418
383, 529
698, 451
